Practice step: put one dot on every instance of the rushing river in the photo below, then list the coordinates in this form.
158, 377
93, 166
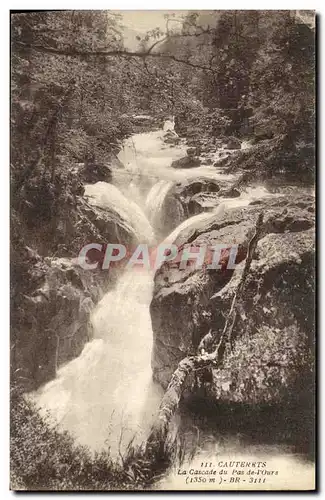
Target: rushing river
106, 396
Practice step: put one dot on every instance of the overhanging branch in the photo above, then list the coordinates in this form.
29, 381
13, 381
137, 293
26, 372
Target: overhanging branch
70, 52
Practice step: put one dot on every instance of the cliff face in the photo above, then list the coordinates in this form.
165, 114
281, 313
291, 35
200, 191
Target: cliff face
51, 322
277, 303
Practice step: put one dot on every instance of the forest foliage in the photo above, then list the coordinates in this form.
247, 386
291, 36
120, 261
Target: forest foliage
74, 84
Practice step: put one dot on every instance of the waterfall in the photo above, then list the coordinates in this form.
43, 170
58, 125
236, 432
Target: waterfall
194, 221
106, 395
169, 124
156, 198
106, 195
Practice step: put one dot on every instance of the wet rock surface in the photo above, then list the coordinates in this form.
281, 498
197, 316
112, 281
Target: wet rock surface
233, 143
94, 172
186, 198
186, 162
273, 352
202, 202
278, 296
54, 316
231, 192
171, 137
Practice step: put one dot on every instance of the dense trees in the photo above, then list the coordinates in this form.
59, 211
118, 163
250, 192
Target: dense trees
232, 72
260, 81
261, 70
63, 109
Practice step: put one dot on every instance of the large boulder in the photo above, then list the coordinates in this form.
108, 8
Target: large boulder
203, 202
177, 205
193, 151
233, 143
90, 173
103, 224
273, 352
208, 200
231, 192
262, 136
186, 162
188, 292
171, 137
85, 223
186, 189
202, 194
278, 295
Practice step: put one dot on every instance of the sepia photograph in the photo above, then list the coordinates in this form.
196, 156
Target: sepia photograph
162, 250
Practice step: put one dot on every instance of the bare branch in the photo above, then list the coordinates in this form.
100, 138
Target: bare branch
70, 52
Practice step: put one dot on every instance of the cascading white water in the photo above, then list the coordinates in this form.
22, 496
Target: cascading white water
106, 195
156, 198
106, 395
169, 125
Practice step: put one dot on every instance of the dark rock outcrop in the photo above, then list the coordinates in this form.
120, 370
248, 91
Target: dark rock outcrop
186, 162
229, 193
178, 204
275, 158
278, 295
102, 225
233, 143
89, 173
171, 137
186, 189
273, 352
51, 320
201, 195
